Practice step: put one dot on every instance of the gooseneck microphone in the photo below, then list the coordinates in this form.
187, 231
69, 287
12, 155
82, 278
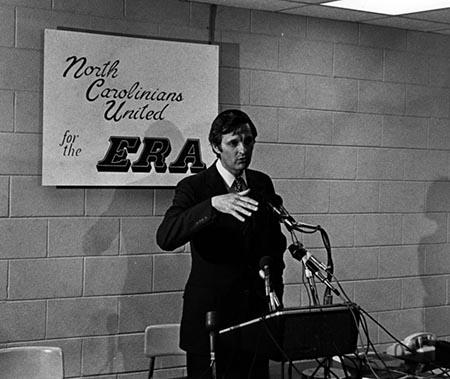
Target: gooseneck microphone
299, 253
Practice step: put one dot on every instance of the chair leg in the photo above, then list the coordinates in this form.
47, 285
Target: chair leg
151, 368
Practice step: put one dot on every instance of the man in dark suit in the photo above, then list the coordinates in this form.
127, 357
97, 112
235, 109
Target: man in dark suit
221, 212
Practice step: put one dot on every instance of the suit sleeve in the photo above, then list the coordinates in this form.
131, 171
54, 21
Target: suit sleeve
185, 217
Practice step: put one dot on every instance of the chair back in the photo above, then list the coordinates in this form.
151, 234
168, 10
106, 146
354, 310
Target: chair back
162, 340
36, 362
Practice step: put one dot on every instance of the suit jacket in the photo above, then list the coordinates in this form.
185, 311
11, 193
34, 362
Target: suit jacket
225, 253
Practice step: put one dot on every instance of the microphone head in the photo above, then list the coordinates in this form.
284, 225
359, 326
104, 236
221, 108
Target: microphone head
265, 261
297, 251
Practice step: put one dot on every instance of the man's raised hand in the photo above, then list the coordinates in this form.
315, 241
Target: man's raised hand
236, 204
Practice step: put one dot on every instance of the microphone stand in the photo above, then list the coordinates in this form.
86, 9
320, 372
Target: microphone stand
211, 325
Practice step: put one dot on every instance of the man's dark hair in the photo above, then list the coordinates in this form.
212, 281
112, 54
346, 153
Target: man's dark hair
229, 121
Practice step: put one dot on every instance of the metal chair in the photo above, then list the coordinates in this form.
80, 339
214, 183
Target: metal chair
31, 362
160, 341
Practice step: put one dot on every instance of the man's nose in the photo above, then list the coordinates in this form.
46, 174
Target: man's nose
242, 148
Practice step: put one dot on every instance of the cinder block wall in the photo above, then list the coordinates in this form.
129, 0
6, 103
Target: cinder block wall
354, 129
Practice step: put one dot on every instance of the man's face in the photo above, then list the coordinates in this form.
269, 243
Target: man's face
236, 150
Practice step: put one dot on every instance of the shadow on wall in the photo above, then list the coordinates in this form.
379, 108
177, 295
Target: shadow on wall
433, 246
117, 355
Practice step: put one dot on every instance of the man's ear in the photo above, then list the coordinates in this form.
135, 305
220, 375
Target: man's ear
216, 149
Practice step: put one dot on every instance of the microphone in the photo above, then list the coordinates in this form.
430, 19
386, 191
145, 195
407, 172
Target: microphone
299, 253
264, 272
276, 204
211, 324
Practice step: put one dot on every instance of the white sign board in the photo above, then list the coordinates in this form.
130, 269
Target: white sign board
121, 111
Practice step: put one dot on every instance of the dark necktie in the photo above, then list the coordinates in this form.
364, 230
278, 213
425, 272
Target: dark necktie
239, 185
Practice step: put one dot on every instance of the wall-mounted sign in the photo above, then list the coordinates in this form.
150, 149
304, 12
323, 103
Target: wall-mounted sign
121, 111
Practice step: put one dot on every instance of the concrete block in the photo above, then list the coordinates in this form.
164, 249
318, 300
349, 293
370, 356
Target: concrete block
358, 62
381, 98
30, 198
356, 264
330, 162
404, 132
163, 200
405, 67
231, 18
428, 43
117, 275
304, 196
293, 272
183, 32
378, 295
250, 51
384, 164
22, 321
7, 111
439, 134
402, 197
305, 126
338, 227
426, 165
81, 317
292, 295
434, 317
130, 27
139, 235
279, 160
278, 24
306, 57
138, 311
439, 71
332, 30
83, 236
47, 4
45, 278
382, 37
103, 355
266, 122
424, 228
171, 11
170, 272
331, 93
119, 202
277, 89
71, 349
3, 280
6, 26
354, 197
4, 196
28, 112
357, 129
32, 22
104, 8
20, 154
14, 245
378, 229
427, 101
396, 261
234, 86
424, 292
401, 323
437, 258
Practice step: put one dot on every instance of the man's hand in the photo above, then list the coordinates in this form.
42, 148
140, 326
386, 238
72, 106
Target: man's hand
235, 204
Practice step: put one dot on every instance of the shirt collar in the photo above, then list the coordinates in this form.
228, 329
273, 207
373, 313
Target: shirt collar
226, 175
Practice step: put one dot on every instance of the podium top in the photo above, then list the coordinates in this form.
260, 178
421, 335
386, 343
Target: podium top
293, 312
